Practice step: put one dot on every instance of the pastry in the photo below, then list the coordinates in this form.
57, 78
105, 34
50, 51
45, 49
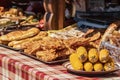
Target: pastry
40, 35
18, 35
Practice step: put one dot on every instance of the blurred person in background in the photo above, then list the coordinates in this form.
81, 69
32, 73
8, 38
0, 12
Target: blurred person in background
5, 3
20, 3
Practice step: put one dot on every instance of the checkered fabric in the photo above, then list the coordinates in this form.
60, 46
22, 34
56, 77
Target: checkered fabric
15, 66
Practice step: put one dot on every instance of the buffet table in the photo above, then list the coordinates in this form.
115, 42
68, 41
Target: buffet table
15, 66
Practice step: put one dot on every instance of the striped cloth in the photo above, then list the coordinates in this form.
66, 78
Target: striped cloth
15, 66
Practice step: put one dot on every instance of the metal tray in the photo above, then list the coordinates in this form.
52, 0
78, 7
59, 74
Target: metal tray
58, 61
5, 46
50, 62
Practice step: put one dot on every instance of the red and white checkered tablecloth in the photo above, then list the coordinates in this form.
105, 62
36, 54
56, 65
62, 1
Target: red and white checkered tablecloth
15, 66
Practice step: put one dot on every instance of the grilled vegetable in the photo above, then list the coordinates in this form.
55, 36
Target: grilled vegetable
88, 66
82, 54
98, 66
109, 65
75, 62
104, 55
93, 55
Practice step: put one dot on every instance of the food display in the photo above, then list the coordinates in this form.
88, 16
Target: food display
90, 47
53, 45
49, 46
92, 60
107, 58
29, 21
39, 43
15, 19
16, 14
13, 13
36, 43
110, 40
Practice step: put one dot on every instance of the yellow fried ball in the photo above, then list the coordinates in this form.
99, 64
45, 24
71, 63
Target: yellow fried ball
82, 54
93, 55
75, 62
104, 55
98, 66
88, 66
